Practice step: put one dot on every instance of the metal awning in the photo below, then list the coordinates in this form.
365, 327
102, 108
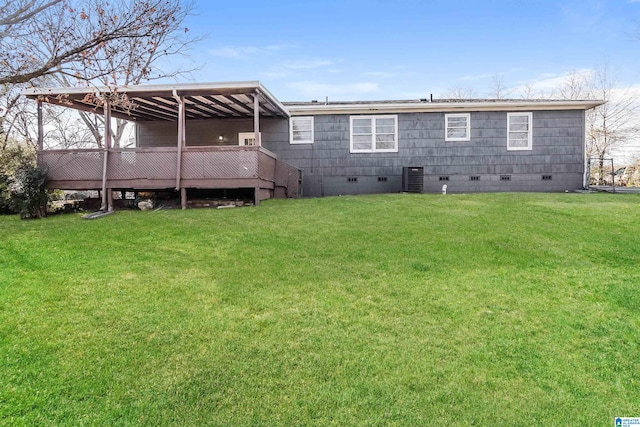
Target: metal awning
158, 102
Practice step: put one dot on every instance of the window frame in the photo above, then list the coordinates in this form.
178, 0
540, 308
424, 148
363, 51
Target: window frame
302, 141
529, 146
467, 128
374, 119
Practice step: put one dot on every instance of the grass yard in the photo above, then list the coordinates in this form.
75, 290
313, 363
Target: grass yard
488, 309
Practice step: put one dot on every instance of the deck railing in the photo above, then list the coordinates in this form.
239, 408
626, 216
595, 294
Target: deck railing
157, 168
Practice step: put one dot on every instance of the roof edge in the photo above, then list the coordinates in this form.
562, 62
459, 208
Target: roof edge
410, 107
186, 89
251, 84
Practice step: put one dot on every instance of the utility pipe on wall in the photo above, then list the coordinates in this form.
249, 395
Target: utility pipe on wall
256, 118
181, 137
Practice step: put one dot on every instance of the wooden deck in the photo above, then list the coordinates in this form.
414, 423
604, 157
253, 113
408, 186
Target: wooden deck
161, 168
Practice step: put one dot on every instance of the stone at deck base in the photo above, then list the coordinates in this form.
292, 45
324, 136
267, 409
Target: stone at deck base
145, 205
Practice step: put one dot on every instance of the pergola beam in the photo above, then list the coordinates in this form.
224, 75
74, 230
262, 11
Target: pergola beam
206, 106
227, 106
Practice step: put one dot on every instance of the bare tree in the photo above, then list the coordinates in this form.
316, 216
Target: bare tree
86, 42
577, 85
499, 89
79, 32
458, 92
137, 60
610, 125
15, 13
66, 130
528, 91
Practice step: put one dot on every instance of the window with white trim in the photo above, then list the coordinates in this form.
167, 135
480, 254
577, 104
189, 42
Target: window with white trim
519, 135
457, 127
374, 134
301, 130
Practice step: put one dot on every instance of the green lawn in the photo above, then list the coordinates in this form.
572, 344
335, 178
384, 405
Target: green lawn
493, 309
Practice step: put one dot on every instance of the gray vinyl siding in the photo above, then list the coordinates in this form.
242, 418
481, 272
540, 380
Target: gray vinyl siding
327, 164
558, 150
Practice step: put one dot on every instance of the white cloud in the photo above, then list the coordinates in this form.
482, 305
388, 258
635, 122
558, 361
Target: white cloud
315, 90
395, 72
477, 77
307, 65
241, 52
289, 68
385, 74
546, 84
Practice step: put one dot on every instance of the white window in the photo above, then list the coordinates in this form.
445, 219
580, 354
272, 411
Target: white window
457, 127
247, 138
519, 131
374, 134
301, 130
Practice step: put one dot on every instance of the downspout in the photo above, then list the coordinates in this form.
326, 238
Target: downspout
256, 134
40, 133
181, 133
586, 174
256, 118
105, 158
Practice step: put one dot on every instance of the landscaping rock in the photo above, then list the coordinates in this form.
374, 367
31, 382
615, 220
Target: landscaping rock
145, 205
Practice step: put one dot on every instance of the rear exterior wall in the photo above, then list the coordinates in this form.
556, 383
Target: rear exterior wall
207, 132
478, 165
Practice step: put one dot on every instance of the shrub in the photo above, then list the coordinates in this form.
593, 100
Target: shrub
6, 206
29, 195
12, 158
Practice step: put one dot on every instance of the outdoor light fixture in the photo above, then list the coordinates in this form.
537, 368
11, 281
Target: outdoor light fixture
220, 138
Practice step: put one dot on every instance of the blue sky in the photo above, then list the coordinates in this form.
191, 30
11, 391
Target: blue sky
400, 49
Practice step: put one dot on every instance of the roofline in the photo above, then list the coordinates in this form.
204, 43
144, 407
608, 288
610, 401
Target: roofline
239, 87
462, 106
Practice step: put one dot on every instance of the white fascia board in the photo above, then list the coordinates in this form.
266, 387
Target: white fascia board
445, 107
273, 99
141, 89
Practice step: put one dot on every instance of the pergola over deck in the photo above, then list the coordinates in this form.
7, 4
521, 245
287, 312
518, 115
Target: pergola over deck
192, 167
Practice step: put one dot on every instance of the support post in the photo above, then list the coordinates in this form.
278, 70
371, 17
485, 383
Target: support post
183, 198
107, 202
256, 118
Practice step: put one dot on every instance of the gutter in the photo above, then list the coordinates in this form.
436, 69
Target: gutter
444, 107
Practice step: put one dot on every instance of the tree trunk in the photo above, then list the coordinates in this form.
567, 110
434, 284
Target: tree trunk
600, 170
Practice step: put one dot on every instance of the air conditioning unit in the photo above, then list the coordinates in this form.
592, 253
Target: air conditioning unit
413, 179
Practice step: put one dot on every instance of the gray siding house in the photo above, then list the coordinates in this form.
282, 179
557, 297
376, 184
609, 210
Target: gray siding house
238, 135
470, 146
